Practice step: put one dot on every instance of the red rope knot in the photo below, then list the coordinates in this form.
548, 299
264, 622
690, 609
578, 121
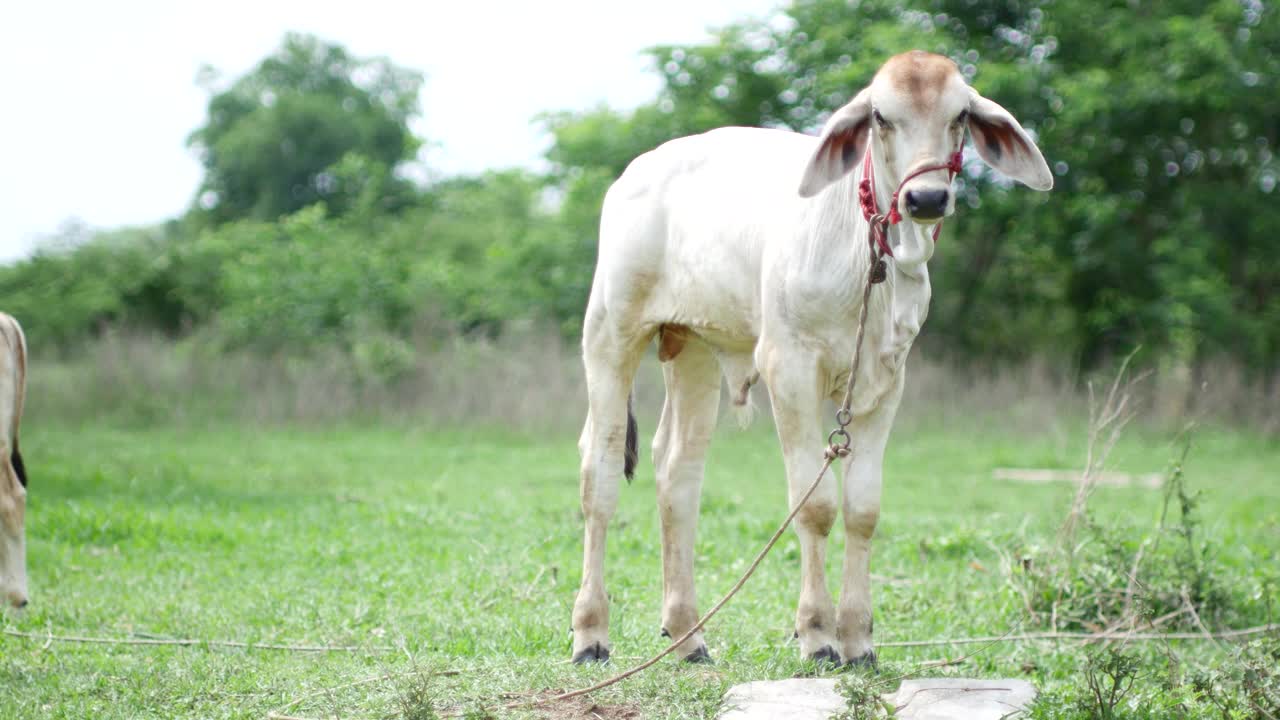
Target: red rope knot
879, 224
880, 234
867, 195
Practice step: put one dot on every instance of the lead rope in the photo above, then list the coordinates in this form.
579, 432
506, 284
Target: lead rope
838, 446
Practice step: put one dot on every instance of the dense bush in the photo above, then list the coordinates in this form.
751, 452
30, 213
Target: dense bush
474, 254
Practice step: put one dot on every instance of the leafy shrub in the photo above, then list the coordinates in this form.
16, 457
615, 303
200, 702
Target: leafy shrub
1117, 684
1111, 578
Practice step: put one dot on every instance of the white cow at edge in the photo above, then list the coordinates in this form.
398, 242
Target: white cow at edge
13, 477
744, 252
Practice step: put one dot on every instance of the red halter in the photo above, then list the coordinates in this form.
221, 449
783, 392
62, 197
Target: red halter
867, 199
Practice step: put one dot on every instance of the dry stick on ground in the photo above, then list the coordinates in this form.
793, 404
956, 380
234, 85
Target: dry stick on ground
187, 642
1126, 613
1191, 608
1106, 421
1127, 619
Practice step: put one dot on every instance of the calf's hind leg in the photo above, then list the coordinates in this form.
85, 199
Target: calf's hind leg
692, 379
610, 368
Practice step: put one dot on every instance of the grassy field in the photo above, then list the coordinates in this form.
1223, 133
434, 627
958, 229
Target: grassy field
462, 550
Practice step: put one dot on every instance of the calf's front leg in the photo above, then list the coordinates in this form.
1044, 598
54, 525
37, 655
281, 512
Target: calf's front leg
794, 390
861, 510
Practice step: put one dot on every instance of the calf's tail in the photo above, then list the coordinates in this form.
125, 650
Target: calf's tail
630, 456
18, 467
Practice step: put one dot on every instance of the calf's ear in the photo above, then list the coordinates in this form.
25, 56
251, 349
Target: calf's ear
840, 146
1004, 145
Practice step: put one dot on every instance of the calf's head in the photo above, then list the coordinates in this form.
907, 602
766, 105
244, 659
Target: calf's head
914, 114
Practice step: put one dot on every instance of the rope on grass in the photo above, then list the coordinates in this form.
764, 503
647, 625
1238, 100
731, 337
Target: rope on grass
188, 642
1025, 637
830, 458
989, 641
280, 713
1091, 637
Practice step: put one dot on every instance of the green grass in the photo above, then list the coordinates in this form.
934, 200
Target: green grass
464, 548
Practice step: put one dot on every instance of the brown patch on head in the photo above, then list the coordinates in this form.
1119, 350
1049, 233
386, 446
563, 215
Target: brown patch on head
919, 75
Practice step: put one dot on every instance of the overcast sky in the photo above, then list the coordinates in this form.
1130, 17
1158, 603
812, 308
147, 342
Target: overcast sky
99, 97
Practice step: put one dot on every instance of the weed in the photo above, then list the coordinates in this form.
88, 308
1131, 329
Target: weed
1190, 560
1110, 675
416, 696
1106, 579
478, 712
1120, 684
863, 694
1246, 687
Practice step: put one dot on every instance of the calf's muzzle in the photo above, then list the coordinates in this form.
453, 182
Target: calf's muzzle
926, 204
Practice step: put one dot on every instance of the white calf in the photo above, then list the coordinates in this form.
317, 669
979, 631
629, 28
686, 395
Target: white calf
13, 477
705, 244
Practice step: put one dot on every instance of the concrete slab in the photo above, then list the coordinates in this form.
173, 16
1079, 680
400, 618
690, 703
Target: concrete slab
794, 698
962, 699
926, 699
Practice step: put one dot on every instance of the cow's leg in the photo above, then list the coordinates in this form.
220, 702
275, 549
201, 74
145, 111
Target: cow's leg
13, 507
795, 389
680, 446
610, 360
861, 509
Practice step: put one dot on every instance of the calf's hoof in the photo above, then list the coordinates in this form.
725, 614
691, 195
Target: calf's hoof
699, 657
826, 655
595, 652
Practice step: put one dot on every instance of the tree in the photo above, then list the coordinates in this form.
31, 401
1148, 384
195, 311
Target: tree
309, 124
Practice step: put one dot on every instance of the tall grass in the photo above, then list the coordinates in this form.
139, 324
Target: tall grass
529, 379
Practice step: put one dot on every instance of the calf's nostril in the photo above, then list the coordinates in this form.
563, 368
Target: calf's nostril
926, 203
